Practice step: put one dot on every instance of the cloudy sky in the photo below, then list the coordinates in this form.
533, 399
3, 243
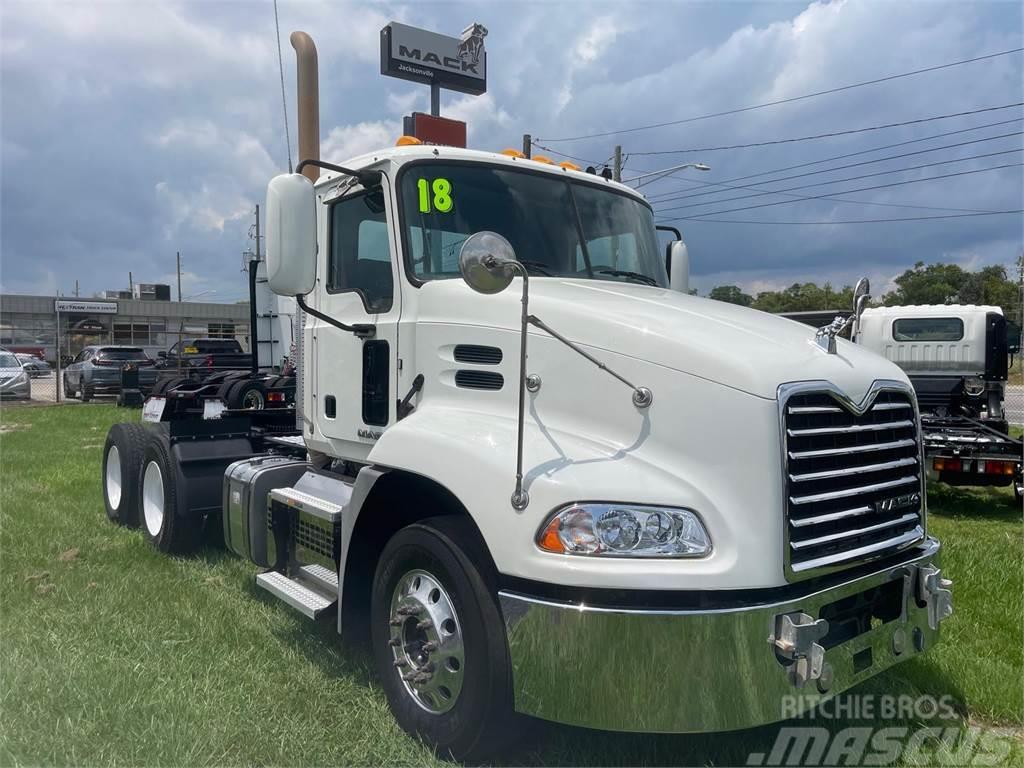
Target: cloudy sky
131, 130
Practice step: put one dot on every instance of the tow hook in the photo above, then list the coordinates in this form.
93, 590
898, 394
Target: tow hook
796, 636
936, 593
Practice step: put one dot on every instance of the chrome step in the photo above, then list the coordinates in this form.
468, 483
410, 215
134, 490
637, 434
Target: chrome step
323, 578
305, 597
313, 505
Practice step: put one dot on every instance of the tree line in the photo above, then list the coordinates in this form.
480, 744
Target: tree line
923, 284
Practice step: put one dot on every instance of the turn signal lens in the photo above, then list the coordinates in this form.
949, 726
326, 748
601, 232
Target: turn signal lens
407, 141
624, 530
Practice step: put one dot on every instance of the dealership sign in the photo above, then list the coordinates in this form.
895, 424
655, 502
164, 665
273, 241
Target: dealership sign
92, 307
455, 63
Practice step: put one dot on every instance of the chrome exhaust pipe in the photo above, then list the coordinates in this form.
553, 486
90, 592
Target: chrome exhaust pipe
308, 97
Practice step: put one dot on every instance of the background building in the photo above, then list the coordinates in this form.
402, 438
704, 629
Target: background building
33, 323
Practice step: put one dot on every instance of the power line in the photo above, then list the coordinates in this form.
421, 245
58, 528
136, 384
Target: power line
827, 196
878, 186
663, 196
829, 135
571, 157
788, 100
844, 167
852, 221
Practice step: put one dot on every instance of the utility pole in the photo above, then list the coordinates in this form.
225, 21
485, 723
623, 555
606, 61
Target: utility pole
617, 169
131, 285
527, 144
179, 276
76, 288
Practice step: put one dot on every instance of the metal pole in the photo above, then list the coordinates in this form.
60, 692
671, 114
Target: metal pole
435, 99
131, 285
254, 349
60, 378
178, 255
527, 144
520, 497
617, 169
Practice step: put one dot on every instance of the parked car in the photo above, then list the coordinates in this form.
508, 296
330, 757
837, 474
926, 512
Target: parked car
97, 370
195, 357
34, 366
13, 377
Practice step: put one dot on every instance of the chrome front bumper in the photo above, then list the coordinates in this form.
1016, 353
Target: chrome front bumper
681, 671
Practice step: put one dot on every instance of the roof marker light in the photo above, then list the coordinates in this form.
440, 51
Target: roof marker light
568, 166
407, 141
513, 153
543, 159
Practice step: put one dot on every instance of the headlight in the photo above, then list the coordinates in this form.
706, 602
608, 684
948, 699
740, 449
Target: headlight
21, 378
624, 530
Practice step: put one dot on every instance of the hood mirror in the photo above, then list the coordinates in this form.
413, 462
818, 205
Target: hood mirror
488, 262
861, 297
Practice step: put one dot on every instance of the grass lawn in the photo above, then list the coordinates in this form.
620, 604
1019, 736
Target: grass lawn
113, 654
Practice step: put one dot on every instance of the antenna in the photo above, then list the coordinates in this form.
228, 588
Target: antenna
284, 100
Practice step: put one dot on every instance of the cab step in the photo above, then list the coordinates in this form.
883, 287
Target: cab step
310, 592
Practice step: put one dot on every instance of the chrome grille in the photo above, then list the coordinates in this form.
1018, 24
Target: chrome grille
853, 482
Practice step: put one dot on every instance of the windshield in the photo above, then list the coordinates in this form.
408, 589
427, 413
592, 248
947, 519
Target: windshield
122, 354
557, 227
209, 346
7, 360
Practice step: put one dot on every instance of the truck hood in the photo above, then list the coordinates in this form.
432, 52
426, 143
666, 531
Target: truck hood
735, 346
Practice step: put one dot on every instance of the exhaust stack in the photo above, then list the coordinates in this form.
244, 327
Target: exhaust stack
308, 97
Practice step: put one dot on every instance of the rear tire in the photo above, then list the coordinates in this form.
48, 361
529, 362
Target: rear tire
69, 391
247, 394
84, 391
160, 515
122, 463
440, 571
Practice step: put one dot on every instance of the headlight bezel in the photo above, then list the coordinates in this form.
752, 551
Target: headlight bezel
596, 545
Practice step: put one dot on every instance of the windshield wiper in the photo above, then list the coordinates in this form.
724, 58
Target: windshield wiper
538, 266
645, 279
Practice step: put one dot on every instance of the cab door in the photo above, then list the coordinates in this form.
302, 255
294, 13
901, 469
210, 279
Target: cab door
355, 377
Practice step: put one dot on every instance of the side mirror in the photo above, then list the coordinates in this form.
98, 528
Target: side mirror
679, 266
162, 354
488, 262
861, 297
291, 235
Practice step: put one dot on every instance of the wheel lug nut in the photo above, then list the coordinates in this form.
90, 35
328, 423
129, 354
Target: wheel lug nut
408, 610
401, 662
425, 624
396, 622
430, 646
394, 642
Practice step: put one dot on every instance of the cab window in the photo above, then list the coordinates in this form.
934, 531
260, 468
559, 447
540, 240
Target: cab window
359, 258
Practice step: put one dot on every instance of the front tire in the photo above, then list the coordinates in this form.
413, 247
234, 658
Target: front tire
439, 641
162, 520
122, 463
84, 391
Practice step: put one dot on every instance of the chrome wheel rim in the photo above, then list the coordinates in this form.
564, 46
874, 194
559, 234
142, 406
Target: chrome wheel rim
253, 400
113, 477
426, 642
153, 498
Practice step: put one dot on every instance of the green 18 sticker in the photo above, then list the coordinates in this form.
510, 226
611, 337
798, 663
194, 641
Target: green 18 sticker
442, 195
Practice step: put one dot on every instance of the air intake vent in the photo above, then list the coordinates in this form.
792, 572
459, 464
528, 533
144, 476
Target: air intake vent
479, 380
475, 353
853, 483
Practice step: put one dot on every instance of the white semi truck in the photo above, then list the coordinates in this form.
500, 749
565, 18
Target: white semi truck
539, 477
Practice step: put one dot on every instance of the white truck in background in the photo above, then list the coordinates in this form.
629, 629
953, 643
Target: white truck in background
538, 478
957, 358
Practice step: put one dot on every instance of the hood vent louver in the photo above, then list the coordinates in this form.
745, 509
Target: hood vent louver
477, 354
479, 380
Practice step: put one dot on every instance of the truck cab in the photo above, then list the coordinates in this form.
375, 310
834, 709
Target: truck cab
540, 478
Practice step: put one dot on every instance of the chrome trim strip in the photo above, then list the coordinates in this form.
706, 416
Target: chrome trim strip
850, 429
853, 470
900, 542
847, 492
908, 518
801, 409
890, 406
905, 443
830, 564
830, 517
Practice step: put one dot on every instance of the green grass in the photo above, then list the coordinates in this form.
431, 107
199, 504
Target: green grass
111, 654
